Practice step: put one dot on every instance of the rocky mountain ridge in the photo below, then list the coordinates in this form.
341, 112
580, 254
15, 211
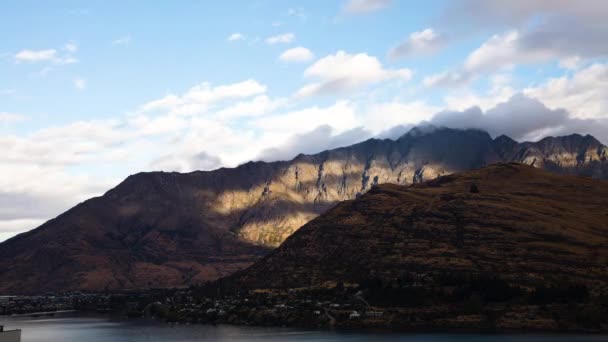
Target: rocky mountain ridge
161, 229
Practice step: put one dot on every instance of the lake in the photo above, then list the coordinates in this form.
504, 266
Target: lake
70, 327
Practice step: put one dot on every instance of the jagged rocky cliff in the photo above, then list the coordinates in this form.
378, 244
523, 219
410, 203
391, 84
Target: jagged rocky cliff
169, 229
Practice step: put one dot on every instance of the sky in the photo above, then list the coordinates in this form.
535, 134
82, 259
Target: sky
93, 91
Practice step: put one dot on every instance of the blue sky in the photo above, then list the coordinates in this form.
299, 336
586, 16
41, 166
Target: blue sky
92, 91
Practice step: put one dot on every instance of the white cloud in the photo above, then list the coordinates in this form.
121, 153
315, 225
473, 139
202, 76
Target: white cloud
382, 116
497, 53
70, 47
258, 106
298, 54
202, 96
284, 38
10, 228
123, 41
235, 36
341, 116
319, 139
584, 94
540, 31
80, 83
504, 51
499, 91
365, 6
570, 63
424, 42
199, 161
33, 56
522, 118
48, 55
342, 72
66, 60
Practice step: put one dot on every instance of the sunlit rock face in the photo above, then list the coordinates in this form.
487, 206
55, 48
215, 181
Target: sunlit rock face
308, 185
168, 229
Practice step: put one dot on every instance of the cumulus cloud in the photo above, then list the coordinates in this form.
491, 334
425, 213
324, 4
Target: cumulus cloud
570, 63
343, 72
284, 38
257, 106
341, 116
395, 132
501, 50
202, 96
199, 161
498, 52
365, 6
380, 116
521, 118
545, 30
499, 91
48, 55
35, 55
584, 94
423, 42
235, 36
320, 139
297, 54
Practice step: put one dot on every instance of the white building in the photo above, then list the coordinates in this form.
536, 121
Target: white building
9, 335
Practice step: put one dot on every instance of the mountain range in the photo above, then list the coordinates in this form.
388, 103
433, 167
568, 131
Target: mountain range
160, 229
523, 224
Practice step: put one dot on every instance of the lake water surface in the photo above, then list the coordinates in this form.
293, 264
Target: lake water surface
107, 329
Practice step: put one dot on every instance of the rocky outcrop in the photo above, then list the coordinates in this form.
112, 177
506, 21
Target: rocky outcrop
163, 229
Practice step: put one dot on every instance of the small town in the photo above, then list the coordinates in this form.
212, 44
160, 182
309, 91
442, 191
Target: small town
182, 306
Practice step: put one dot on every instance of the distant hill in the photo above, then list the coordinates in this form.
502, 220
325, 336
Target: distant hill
162, 229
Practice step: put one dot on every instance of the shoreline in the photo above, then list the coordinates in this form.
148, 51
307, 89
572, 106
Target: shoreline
343, 331
300, 314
